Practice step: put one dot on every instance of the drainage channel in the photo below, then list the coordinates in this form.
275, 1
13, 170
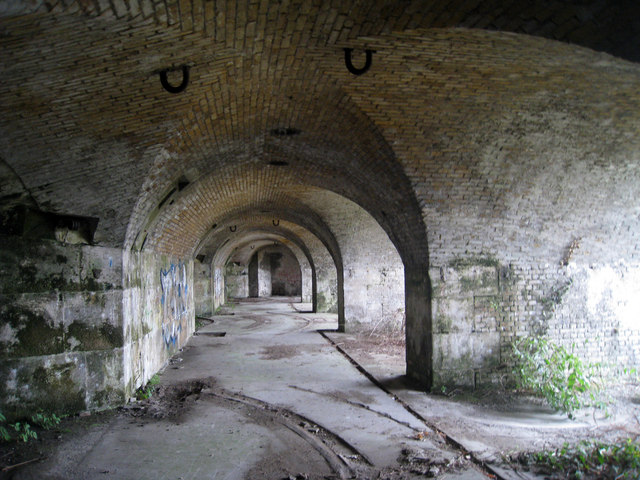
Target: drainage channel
486, 469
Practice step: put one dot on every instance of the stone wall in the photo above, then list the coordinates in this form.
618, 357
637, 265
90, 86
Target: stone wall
264, 274
481, 307
285, 272
219, 297
159, 313
236, 280
203, 289
467, 326
62, 339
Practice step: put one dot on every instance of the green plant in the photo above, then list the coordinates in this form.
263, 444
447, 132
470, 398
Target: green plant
589, 459
44, 420
4, 433
24, 432
147, 391
560, 376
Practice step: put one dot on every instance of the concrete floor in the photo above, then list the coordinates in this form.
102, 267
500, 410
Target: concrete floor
274, 398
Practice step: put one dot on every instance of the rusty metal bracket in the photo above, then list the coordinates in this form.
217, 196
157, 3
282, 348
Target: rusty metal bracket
351, 68
165, 81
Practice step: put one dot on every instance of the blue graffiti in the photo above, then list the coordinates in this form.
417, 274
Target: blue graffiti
174, 301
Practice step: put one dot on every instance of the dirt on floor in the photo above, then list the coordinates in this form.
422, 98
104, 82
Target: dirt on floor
77, 434
479, 417
498, 424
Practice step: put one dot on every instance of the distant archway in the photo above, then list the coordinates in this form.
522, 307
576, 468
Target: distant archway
274, 271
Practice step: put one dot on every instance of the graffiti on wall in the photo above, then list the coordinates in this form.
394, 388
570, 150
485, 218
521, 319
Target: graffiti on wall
174, 285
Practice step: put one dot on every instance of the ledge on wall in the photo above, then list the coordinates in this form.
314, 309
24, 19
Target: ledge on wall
30, 222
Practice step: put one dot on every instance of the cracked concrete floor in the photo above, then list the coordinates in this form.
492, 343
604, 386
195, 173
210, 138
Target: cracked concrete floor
273, 398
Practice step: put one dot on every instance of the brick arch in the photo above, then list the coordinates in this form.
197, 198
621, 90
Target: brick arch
337, 148
241, 251
294, 279
300, 225
307, 209
306, 247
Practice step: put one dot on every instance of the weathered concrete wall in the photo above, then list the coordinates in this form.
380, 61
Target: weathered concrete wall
253, 276
466, 300
218, 288
236, 279
597, 310
61, 326
264, 274
374, 296
481, 306
285, 271
286, 278
203, 289
326, 277
159, 313
306, 294
275, 270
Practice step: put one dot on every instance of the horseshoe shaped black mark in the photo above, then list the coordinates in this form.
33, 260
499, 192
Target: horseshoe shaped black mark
233, 229
170, 88
351, 68
275, 222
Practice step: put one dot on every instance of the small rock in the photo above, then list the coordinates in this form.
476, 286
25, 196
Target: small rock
86, 413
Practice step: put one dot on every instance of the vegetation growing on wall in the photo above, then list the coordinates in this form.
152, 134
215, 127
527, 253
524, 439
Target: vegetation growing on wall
149, 389
557, 374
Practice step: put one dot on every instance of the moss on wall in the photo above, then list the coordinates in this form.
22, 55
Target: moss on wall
461, 263
60, 318
34, 334
103, 337
326, 304
55, 389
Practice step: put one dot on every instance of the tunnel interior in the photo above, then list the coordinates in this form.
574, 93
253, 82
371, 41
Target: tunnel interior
478, 183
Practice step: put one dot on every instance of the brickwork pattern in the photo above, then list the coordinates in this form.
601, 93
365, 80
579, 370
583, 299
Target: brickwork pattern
463, 141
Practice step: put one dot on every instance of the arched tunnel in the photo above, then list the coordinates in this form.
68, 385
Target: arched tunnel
476, 184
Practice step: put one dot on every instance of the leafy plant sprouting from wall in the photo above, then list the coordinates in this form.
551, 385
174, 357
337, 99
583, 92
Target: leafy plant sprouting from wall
148, 390
557, 374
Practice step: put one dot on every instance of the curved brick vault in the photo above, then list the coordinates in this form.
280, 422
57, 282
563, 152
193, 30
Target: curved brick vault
252, 234
488, 163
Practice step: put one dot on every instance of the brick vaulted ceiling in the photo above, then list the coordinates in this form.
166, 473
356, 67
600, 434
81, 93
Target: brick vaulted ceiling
87, 129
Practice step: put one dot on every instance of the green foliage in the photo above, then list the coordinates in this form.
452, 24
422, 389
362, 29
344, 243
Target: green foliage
15, 431
147, 391
24, 432
44, 420
589, 459
560, 376
5, 436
